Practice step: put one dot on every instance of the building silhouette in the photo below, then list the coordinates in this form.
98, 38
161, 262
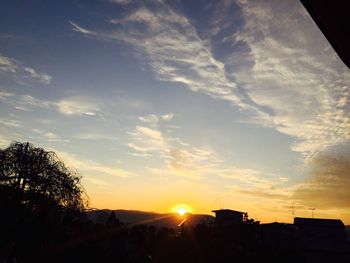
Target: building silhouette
228, 216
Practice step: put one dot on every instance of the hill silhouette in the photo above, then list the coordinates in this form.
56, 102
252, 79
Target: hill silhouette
136, 217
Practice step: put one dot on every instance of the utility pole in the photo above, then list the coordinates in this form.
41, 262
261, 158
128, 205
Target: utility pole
312, 212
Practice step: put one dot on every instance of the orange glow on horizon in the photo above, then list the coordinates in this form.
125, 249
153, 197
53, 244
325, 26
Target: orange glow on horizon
182, 209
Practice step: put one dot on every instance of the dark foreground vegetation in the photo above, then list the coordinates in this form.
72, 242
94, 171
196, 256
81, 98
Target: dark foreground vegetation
44, 219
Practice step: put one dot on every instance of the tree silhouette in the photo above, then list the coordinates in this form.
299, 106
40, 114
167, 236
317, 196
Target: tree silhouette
35, 175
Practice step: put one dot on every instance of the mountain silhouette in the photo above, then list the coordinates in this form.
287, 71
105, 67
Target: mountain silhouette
135, 217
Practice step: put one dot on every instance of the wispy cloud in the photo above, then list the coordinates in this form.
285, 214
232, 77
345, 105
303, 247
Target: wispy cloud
279, 69
248, 176
153, 118
121, 2
23, 73
327, 186
79, 29
150, 133
5, 94
78, 106
295, 73
285, 57
87, 165
144, 139
176, 157
190, 162
253, 183
150, 118
71, 106
11, 123
175, 51
24, 102
7, 64
52, 137
95, 136
41, 77
96, 181
167, 117
4, 141
265, 193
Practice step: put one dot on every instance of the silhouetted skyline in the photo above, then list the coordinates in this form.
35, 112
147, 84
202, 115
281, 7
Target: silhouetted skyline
210, 104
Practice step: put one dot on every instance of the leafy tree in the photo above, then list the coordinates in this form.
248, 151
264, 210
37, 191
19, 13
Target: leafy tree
35, 175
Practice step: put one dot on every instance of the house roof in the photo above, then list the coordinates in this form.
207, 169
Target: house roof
227, 211
318, 222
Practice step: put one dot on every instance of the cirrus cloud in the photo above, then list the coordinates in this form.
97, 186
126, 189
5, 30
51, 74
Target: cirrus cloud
78, 106
22, 73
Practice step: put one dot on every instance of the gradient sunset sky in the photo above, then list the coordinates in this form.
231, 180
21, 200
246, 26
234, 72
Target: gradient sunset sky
214, 104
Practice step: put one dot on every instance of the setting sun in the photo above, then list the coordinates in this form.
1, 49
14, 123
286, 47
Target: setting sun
182, 209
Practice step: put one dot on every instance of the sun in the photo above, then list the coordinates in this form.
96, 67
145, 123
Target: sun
182, 209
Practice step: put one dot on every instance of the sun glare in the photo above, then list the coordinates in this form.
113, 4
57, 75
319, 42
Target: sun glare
182, 209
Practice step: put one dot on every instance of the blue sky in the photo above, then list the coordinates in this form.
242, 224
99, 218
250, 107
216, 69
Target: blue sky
235, 104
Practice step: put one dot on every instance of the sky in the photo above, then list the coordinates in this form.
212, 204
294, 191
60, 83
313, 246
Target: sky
214, 104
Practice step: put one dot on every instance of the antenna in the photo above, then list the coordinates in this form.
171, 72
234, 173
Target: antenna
312, 212
292, 208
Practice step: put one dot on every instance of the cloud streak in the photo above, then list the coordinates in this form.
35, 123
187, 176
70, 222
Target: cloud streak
279, 69
327, 186
24, 102
23, 73
175, 51
71, 106
285, 57
178, 158
7, 64
87, 165
144, 139
78, 106
296, 74
40, 77
185, 160
79, 29
152, 118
